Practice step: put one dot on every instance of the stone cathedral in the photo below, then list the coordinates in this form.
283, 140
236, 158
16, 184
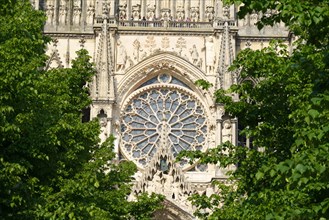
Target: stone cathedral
148, 55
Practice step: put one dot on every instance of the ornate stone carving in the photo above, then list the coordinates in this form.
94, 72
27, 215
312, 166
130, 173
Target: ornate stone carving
136, 10
210, 56
180, 44
220, 111
150, 43
210, 13
76, 12
137, 50
194, 54
227, 131
165, 43
254, 18
165, 14
121, 56
50, 13
62, 12
90, 15
103, 135
226, 12
150, 15
82, 42
180, 13
195, 14
106, 6
122, 12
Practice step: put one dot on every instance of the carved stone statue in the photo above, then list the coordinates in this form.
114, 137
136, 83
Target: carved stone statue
150, 12
62, 12
210, 13
180, 14
122, 12
226, 12
121, 56
136, 12
50, 14
90, 14
194, 54
227, 131
253, 18
210, 58
76, 12
103, 135
195, 14
137, 47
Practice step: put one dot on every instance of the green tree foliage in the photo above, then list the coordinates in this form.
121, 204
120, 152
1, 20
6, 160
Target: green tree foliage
286, 175
51, 165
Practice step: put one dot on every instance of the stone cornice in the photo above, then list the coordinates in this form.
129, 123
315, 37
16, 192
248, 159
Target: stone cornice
70, 35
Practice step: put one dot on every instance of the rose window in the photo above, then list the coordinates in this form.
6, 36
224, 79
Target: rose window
150, 109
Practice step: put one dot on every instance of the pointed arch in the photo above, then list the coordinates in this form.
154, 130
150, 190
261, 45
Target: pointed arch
163, 61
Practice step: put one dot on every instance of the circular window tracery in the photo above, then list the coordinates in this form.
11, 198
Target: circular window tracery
153, 111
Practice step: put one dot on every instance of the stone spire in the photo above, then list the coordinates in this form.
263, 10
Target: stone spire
226, 57
104, 83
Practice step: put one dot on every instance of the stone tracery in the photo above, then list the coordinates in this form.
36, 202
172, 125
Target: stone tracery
152, 109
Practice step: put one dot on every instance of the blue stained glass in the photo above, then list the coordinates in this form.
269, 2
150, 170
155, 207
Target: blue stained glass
177, 125
164, 78
136, 154
142, 123
167, 105
138, 138
150, 132
137, 103
200, 139
154, 119
177, 132
174, 105
147, 148
187, 138
141, 144
173, 119
200, 120
190, 133
154, 106
150, 125
153, 139
192, 125
173, 139
137, 132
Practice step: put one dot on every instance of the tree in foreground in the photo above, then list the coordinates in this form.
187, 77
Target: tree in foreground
51, 165
286, 174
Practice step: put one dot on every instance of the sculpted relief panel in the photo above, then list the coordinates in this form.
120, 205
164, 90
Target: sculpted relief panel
199, 51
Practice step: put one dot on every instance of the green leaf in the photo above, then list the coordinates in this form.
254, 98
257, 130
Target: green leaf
313, 113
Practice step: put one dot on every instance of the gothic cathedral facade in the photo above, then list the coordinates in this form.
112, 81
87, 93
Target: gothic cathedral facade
148, 55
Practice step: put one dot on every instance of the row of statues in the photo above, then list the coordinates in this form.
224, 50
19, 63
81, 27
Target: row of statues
67, 14
165, 13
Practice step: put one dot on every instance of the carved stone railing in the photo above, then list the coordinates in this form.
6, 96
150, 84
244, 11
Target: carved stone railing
165, 24
221, 23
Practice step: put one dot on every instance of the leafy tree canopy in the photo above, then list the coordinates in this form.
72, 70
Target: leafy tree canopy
51, 165
285, 175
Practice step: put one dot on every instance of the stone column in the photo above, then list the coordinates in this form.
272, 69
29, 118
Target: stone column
157, 9
128, 9
234, 131
202, 9
219, 123
187, 8
143, 9
172, 8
